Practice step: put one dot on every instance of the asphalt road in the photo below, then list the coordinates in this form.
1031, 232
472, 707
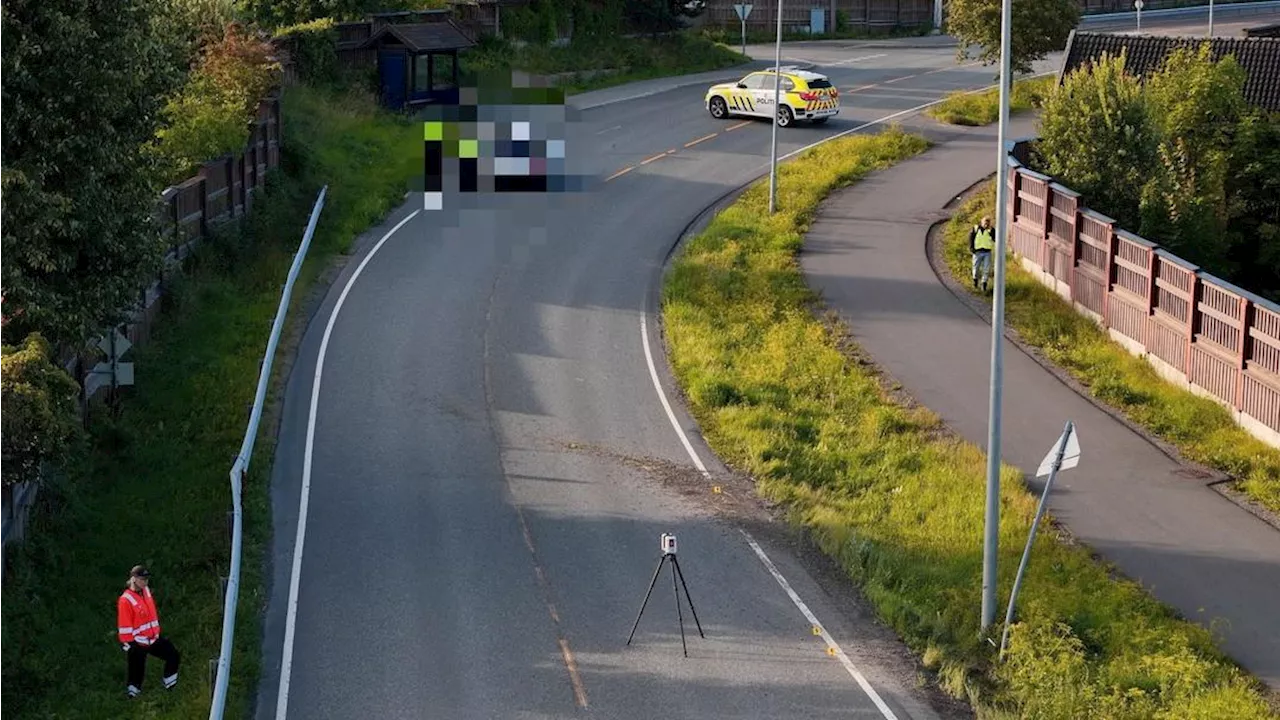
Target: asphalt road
484, 477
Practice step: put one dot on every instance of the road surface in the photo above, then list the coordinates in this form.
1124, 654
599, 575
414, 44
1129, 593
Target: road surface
483, 447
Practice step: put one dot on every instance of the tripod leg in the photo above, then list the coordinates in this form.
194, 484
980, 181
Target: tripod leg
679, 613
686, 594
646, 598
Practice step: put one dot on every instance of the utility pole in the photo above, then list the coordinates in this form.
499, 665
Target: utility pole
991, 540
777, 93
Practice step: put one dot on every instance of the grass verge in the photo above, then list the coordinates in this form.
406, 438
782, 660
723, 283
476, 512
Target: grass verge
894, 497
153, 488
983, 108
1201, 429
592, 65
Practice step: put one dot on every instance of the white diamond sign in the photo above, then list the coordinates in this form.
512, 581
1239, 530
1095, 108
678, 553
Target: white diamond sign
1070, 455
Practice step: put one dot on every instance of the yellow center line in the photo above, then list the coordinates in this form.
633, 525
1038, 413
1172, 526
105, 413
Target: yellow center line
904, 77
620, 173
744, 123
566, 654
701, 139
659, 156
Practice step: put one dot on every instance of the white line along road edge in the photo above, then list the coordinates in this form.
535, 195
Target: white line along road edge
786, 586
291, 612
688, 447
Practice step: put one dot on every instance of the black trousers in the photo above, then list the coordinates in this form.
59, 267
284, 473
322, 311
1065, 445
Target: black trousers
162, 649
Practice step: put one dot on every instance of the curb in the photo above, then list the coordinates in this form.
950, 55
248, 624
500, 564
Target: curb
1216, 480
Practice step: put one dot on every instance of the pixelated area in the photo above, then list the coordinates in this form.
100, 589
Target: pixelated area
506, 134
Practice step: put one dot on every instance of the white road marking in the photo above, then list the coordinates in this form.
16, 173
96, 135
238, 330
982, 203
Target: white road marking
291, 612
854, 60
826, 636
782, 581
615, 127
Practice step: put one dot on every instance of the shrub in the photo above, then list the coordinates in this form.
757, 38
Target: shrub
212, 114
39, 419
1097, 138
313, 48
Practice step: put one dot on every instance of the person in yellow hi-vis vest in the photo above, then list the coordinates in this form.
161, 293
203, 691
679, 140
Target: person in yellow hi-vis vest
982, 240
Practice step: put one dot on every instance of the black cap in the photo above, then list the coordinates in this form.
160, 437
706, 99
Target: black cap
139, 571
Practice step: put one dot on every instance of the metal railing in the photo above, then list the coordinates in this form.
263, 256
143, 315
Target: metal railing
241, 465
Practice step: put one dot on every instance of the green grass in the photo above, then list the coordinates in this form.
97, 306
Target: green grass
154, 487
1200, 428
894, 497
591, 65
983, 108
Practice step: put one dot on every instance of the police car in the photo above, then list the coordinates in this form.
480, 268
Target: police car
804, 95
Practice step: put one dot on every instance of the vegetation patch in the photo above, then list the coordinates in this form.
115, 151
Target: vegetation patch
983, 108
1200, 428
894, 497
591, 63
154, 487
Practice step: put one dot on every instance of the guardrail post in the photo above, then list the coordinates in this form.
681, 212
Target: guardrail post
1193, 312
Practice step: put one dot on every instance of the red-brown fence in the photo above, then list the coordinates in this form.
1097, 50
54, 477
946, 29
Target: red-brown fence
1197, 330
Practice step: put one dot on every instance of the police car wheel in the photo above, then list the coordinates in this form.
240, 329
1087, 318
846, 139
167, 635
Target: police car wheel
784, 116
719, 109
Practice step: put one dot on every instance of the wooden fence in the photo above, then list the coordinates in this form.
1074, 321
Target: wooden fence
858, 14
189, 212
1198, 331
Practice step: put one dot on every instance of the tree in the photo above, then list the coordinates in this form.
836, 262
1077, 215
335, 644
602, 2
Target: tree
211, 116
1039, 27
39, 416
1097, 139
275, 14
84, 81
1197, 106
1254, 192
656, 16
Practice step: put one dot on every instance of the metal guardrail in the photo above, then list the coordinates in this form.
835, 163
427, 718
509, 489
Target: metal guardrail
241, 464
1221, 9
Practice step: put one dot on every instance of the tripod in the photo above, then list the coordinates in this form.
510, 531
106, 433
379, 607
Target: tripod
669, 554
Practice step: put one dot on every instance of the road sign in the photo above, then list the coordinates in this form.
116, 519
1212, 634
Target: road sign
1138, 4
743, 11
1070, 455
122, 344
114, 344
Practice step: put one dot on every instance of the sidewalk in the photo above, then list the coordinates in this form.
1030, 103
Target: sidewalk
1140, 509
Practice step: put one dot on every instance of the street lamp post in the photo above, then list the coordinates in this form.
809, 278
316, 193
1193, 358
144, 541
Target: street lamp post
777, 93
991, 537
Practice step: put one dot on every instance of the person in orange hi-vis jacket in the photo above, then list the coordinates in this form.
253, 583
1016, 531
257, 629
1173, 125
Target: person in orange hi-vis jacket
139, 629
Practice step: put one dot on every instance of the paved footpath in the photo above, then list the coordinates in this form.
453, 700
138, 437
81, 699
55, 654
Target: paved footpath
1192, 548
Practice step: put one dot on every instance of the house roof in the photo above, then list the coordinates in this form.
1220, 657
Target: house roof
423, 37
1259, 57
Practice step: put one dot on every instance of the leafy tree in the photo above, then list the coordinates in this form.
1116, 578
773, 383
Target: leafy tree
212, 114
39, 418
84, 81
313, 49
1039, 27
1197, 106
1254, 192
655, 16
1096, 138
275, 14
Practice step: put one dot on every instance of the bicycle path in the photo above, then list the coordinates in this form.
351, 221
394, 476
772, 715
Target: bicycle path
1137, 507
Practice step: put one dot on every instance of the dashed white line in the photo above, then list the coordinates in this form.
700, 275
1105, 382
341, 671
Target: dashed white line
755, 547
854, 60
295, 577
